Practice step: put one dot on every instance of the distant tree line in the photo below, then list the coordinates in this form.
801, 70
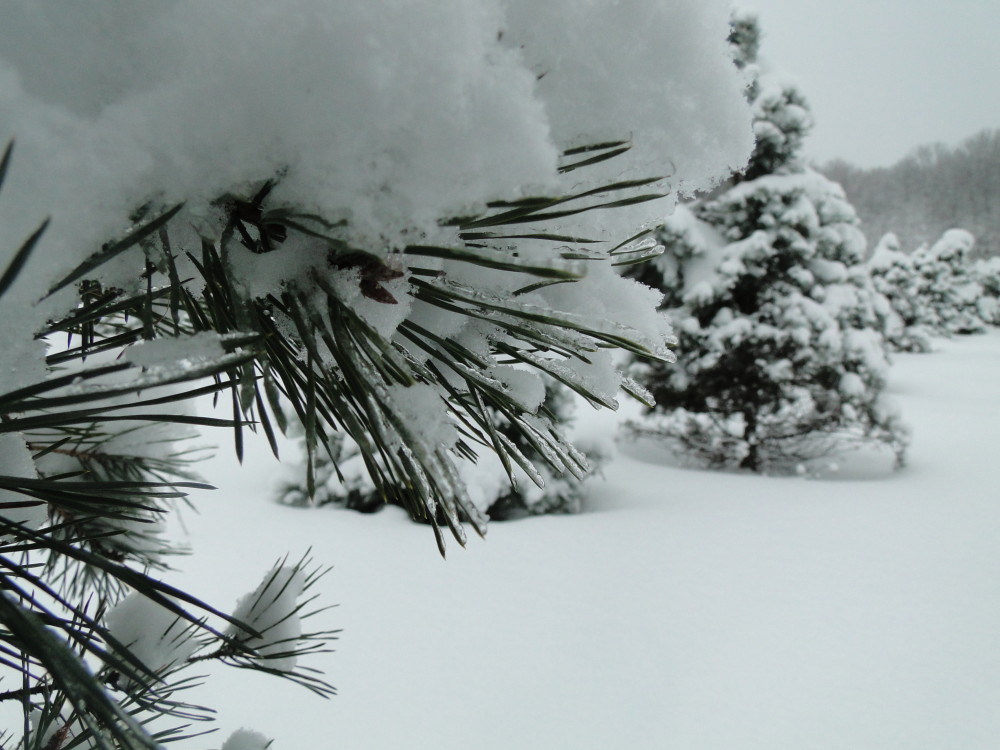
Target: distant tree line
934, 188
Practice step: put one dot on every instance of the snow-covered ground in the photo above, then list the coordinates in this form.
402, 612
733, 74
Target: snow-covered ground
683, 610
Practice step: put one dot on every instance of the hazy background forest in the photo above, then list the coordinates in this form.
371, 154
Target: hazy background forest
934, 188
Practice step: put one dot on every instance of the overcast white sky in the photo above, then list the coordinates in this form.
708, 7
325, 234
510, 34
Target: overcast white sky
884, 76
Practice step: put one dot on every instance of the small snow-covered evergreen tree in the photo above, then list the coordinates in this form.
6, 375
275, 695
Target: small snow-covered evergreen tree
528, 487
986, 272
780, 352
948, 291
895, 278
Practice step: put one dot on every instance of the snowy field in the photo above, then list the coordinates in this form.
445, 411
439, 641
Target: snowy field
683, 610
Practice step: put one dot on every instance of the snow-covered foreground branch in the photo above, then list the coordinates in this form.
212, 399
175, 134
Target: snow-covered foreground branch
387, 217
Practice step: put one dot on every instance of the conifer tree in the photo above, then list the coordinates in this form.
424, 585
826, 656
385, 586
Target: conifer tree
780, 351
534, 487
895, 278
946, 287
986, 272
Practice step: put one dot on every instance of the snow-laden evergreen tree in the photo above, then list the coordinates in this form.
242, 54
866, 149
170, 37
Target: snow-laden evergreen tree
948, 291
530, 487
986, 272
895, 278
389, 219
780, 352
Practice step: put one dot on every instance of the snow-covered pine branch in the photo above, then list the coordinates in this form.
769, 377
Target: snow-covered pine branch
361, 209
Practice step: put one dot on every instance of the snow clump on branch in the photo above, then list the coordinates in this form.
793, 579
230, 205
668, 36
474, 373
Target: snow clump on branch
392, 116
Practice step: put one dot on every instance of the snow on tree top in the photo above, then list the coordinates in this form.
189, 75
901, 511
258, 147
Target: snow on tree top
954, 244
